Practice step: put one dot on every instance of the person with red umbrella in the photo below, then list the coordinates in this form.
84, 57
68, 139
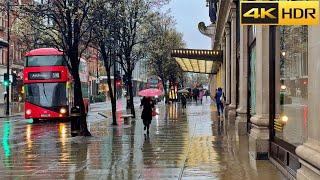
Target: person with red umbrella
148, 106
146, 115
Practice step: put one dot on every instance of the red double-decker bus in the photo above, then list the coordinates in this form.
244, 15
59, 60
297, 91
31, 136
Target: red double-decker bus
49, 86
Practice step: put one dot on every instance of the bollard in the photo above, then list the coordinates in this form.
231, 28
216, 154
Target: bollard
75, 121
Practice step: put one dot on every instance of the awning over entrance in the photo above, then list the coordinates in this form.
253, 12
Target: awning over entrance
198, 61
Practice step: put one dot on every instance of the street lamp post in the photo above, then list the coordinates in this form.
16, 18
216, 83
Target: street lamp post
8, 57
114, 77
98, 80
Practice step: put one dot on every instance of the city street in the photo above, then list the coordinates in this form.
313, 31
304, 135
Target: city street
190, 144
235, 85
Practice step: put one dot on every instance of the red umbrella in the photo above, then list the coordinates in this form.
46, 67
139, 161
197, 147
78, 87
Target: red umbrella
150, 92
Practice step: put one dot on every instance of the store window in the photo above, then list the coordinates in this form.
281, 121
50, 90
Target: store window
252, 79
1, 20
292, 123
252, 71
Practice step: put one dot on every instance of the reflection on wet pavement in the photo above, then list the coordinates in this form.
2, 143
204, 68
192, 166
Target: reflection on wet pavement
190, 144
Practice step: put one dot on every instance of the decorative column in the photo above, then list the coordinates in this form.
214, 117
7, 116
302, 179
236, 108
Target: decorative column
223, 66
227, 57
213, 84
233, 70
241, 120
259, 134
309, 152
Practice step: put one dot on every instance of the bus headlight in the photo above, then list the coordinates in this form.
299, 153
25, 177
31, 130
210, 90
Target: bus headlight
28, 112
63, 110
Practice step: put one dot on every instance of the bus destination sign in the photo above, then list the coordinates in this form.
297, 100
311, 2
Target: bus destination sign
43, 75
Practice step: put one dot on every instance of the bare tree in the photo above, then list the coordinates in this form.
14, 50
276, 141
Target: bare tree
68, 26
107, 31
136, 31
160, 61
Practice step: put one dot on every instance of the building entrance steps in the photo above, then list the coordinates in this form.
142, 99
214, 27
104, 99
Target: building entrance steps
183, 144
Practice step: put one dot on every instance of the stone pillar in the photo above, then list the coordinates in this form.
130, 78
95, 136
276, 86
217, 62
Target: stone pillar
227, 57
309, 152
233, 70
259, 134
241, 120
213, 85
223, 67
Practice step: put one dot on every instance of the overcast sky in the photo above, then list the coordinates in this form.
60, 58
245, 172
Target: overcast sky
188, 13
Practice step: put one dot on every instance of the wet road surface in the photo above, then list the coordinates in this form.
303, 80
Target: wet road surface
190, 144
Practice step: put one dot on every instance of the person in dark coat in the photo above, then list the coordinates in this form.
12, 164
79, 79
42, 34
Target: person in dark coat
146, 115
219, 98
195, 94
184, 101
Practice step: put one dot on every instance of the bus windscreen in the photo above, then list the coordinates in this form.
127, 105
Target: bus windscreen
46, 94
36, 61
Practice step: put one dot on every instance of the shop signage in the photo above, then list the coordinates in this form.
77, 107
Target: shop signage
279, 12
43, 75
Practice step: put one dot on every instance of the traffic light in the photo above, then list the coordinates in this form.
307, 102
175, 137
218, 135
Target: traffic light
14, 79
6, 81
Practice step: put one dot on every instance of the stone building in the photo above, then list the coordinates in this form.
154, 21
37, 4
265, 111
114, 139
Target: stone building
270, 76
16, 54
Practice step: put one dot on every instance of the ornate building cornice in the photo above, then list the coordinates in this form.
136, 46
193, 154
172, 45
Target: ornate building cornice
223, 11
206, 30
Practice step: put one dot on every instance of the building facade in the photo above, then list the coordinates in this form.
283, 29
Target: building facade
15, 53
270, 76
139, 76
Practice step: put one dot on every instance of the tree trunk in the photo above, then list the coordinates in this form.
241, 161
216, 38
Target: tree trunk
78, 100
107, 66
130, 88
113, 100
165, 91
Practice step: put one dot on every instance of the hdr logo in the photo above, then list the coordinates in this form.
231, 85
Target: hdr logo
279, 12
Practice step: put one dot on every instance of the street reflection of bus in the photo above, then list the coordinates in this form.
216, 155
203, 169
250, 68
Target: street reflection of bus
48, 84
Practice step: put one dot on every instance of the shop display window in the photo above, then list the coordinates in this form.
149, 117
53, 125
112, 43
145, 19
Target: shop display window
291, 126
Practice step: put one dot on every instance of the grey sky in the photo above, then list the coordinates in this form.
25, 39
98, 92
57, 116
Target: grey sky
188, 13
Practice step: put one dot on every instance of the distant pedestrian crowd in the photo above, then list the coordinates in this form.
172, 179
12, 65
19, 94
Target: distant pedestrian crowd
196, 95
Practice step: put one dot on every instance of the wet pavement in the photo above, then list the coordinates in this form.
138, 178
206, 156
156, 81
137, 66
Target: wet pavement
16, 109
190, 144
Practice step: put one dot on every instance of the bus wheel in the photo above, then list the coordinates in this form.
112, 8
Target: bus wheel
35, 120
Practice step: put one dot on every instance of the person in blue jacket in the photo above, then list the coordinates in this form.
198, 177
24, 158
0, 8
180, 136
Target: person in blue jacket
219, 98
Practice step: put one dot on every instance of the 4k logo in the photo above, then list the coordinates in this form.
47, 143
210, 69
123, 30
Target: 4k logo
260, 13
279, 12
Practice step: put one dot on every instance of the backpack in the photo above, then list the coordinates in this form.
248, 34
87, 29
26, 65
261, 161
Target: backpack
222, 98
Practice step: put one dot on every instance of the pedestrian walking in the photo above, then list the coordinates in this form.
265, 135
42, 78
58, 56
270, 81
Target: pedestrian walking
219, 98
195, 94
201, 94
5, 96
146, 115
184, 101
